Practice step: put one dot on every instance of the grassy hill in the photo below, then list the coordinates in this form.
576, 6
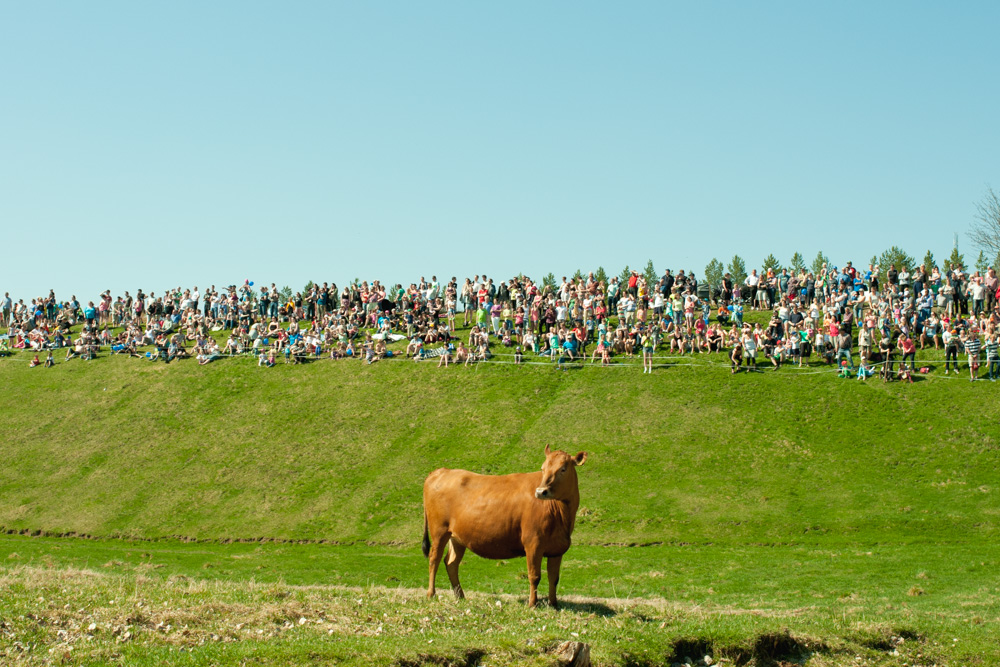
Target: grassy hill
337, 451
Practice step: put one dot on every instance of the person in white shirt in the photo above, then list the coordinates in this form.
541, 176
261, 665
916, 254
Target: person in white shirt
752, 281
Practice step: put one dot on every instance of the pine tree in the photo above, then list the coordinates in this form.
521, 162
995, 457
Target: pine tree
894, 256
714, 272
819, 262
285, 293
578, 275
625, 275
928, 262
549, 280
798, 264
308, 287
601, 276
771, 262
981, 263
738, 269
649, 273
954, 260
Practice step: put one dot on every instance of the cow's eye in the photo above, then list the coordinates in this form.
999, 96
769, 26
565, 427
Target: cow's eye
563, 469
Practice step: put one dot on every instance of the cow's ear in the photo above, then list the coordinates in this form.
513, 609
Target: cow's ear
580, 458
547, 450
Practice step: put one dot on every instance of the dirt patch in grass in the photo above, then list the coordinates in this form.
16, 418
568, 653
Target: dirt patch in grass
766, 649
470, 658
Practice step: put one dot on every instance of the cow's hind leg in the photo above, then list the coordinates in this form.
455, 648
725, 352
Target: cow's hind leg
451, 563
434, 558
552, 569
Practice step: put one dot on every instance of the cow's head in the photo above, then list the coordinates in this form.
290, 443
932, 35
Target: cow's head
559, 474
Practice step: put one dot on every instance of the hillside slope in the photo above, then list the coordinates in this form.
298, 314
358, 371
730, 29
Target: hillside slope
338, 450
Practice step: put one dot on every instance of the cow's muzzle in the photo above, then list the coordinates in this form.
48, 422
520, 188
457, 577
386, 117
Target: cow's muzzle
542, 493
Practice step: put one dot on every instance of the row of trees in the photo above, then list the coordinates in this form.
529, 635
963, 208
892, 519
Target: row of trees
893, 256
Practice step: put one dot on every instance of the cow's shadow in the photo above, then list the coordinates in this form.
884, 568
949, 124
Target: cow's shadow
587, 607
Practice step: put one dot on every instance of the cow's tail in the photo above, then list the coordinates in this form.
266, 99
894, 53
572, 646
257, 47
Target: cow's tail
426, 544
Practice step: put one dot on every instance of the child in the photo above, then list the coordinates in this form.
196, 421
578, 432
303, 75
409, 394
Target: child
35, 362
49, 361
517, 355
904, 373
777, 354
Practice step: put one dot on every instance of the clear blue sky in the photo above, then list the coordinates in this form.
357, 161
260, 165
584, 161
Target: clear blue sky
155, 145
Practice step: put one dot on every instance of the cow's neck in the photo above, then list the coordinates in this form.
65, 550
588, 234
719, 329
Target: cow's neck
564, 511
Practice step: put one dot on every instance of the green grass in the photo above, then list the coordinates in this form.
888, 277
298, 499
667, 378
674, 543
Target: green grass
762, 496
634, 605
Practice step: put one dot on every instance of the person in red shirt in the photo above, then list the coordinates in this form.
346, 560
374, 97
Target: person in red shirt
633, 284
580, 334
909, 349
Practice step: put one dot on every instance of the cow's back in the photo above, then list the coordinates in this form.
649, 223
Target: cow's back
483, 512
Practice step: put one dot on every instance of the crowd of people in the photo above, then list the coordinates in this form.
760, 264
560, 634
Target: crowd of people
860, 322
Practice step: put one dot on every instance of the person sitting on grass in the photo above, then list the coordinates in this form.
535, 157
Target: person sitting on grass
461, 355
714, 339
568, 350
414, 347
210, 354
904, 374
865, 370
35, 362
599, 350
931, 333
75, 350
176, 349
777, 353
369, 353
483, 352
445, 357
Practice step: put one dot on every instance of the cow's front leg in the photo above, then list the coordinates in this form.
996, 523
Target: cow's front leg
534, 555
552, 570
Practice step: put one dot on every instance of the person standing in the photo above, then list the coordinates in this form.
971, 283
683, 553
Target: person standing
990, 283
972, 346
752, 282
993, 356
647, 351
5, 307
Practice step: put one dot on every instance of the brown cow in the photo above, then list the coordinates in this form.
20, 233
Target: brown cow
503, 516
